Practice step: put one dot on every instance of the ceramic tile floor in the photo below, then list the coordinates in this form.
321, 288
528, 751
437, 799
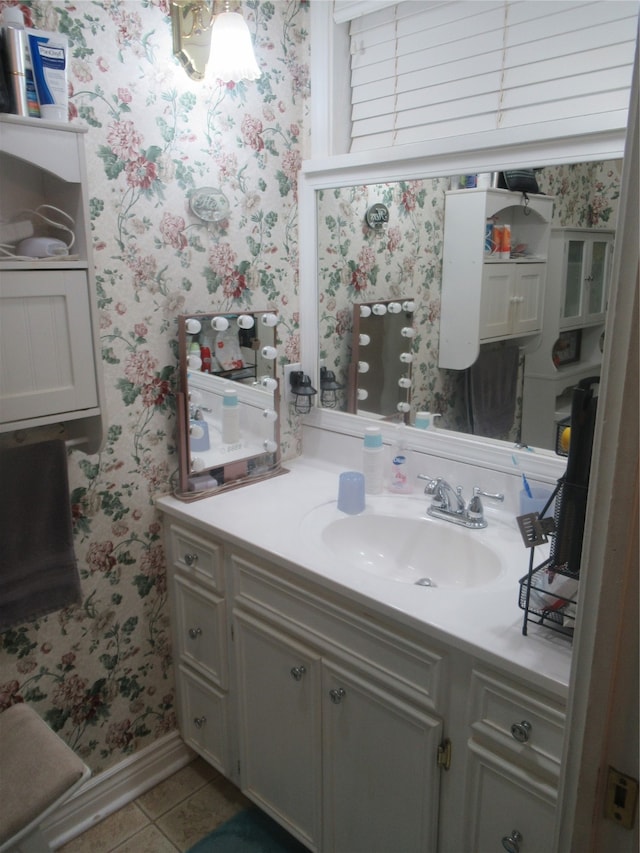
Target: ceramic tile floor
169, 818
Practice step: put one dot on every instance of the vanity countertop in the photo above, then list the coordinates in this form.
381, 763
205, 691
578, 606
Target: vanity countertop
270, 519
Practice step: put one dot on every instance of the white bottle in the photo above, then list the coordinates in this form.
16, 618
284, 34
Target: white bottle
373, 461
400, 475
230, 417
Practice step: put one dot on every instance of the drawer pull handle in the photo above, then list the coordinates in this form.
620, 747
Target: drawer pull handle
194, 633
511, 843
521, 731
337, 695
191, 559
199, 722
297, 672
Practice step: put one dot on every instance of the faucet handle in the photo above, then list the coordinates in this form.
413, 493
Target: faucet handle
496, 496
432, 484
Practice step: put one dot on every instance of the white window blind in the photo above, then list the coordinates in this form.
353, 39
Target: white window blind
424, 70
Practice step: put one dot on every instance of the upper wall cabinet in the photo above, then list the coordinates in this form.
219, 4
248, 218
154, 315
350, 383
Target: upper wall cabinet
585, 278
492, 286
50, 366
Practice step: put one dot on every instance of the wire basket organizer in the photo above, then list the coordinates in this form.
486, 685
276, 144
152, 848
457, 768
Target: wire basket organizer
548, 592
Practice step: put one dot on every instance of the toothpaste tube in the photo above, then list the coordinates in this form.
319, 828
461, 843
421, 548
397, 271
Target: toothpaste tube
49, 57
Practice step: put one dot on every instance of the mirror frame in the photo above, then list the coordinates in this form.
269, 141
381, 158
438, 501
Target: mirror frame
462, 155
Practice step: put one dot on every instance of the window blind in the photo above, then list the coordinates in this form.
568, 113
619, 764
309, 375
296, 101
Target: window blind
424, 70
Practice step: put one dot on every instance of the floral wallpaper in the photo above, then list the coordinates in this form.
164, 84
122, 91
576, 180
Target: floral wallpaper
404, 259
101, 673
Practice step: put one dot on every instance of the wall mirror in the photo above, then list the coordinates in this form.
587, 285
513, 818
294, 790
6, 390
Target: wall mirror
228, 425
356, 264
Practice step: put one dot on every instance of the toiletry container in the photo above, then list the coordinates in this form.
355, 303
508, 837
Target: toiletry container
14, 54
400, 476
230, 417
373, 461
198, 435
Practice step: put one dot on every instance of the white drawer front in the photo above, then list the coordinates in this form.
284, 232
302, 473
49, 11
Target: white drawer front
204, 720
200, 630
528, 724
198, 558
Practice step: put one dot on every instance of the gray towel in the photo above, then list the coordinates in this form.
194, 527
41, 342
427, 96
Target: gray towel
492, 385
38, 571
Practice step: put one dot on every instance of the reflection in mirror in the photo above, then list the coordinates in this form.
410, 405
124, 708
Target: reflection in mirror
357, 263
229, 428
381, 357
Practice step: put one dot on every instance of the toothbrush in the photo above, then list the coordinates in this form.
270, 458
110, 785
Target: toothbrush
527, 487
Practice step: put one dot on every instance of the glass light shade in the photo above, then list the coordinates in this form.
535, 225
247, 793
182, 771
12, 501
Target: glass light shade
232, 56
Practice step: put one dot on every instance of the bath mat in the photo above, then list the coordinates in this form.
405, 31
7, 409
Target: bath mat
250, 831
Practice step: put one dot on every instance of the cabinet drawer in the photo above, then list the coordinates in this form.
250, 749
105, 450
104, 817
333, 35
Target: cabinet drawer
501, 801
517, 718
349, 630
204, 722
196, 557
200, 630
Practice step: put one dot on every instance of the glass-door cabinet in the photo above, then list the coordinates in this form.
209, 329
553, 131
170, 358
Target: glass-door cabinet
586, 278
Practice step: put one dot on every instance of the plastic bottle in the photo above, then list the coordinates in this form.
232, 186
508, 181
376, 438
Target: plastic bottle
230, 417
400, 475
373, 461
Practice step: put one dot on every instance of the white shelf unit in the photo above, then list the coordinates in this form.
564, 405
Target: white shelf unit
50, 363
547, 387
485, 299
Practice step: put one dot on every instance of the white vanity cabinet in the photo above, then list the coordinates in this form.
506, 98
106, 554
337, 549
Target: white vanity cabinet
513, 765
199, 638
338, 739
50, 364
485, 298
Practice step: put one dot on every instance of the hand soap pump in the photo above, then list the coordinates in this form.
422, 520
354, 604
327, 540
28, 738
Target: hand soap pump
373, 461
400, 478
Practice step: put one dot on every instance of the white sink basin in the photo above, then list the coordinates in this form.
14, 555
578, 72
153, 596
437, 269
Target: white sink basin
395, 541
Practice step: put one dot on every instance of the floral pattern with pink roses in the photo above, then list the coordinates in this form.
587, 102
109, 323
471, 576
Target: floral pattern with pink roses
101, 673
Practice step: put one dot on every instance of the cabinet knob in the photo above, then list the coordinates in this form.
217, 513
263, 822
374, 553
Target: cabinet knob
511, 843
194, 633
521, 731
200, 721
191, 559
297, 672
337, 695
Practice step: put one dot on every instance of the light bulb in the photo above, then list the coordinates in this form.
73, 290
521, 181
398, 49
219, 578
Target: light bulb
270, 446
246, 321
394, 308
404, 382
379, 309
269, 319
270, 415
407, 332
220, 324
269, 383
365, 311
363, 367
196, 431
406, 357
197, 464
193, 326
364, 340
362, 394
269, 353
195, 396
409, 306
194, 362
403, 407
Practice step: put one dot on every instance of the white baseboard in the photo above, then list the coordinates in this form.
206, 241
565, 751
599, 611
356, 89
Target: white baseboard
109, 791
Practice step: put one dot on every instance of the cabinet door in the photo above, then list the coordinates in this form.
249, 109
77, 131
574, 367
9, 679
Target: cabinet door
380, 778
527, 296
279, 726
596, 281
502, 799
496, 308
574, 275
47, 365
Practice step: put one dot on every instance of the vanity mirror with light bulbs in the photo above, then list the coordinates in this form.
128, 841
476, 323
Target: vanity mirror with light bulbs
356, 264
228, 421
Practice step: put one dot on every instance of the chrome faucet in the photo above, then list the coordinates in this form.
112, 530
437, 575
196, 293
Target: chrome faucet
447, 503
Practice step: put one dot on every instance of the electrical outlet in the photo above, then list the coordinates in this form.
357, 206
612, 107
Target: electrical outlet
288, 370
